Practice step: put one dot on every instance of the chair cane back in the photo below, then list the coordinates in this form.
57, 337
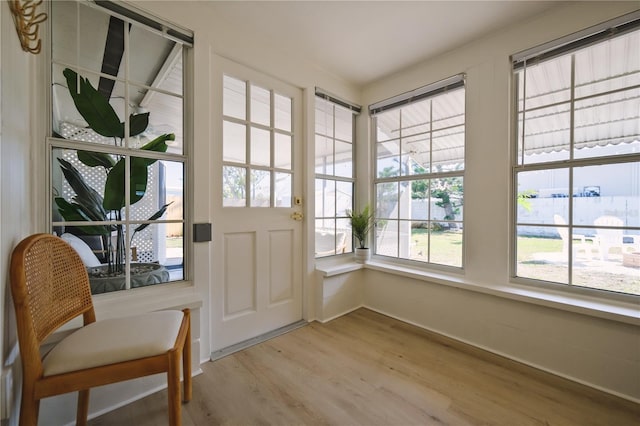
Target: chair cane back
50, 287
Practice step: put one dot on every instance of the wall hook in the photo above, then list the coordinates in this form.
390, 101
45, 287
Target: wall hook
27, 20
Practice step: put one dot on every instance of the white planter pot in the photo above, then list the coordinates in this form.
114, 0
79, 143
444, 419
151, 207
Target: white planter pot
362, 255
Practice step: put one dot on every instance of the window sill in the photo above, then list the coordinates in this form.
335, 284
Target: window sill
179, 295
620, 311
337, 265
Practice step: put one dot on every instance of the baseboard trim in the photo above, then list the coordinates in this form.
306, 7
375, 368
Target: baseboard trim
221, 353
348, 311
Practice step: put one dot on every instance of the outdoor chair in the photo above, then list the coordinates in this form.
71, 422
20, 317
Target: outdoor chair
579, 241
609, 234
329, 243
50, 287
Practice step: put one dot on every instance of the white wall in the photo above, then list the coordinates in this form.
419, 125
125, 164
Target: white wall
338, 294
603, 353
16, 181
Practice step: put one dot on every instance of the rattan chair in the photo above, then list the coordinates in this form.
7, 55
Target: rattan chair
50, 287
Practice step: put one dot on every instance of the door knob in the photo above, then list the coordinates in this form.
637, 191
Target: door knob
297, 216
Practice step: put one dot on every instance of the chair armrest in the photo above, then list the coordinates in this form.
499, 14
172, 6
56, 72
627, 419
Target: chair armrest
578, 237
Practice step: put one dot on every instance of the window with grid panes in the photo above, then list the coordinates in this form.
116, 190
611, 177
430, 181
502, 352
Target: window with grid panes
419, 181
256, 146
118, 143
334, 171
577, 166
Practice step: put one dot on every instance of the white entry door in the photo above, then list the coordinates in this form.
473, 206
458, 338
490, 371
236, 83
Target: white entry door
257, 226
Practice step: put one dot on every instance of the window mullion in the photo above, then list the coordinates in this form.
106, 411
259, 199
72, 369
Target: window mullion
400, 176
571, 157
335, 183
127, 209
430, 218
333, 138
272, 144
247, 167
524, 112
127, 143
572, 109
335, 214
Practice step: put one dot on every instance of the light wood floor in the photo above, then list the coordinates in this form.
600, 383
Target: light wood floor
368, 369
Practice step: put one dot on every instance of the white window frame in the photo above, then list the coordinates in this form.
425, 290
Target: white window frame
332, 177
248, 166
133, 16
564, 47
456, 82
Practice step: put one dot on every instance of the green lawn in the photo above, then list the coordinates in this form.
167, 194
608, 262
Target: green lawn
446, 246
538, 258
449, 243
527, 246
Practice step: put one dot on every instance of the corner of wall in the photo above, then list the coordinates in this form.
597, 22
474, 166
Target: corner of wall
338, 294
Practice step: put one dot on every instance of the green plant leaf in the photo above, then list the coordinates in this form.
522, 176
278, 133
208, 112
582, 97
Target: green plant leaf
93, 107
72, 212
138, 179
159, 144
114, 194
156, 215
85, 196
93, 159
138, 123
114, 187
361, 223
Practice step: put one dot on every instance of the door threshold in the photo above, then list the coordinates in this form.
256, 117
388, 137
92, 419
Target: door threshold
221, 353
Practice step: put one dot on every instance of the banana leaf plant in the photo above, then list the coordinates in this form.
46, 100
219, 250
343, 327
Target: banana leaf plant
88, 204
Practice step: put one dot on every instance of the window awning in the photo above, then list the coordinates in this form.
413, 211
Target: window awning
606, 107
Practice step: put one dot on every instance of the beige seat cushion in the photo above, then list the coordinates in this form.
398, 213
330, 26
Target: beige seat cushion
114, 340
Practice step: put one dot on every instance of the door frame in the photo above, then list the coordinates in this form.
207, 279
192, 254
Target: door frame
220, 65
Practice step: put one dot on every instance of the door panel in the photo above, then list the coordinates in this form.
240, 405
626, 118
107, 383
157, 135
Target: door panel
281, 266
239, 280
257, 127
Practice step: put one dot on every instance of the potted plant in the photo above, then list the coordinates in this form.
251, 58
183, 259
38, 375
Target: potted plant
88, 204
361, 222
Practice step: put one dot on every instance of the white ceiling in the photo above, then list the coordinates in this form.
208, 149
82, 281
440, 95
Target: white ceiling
362, 41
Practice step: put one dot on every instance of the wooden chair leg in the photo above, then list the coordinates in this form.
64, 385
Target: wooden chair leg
29, 409
83, 408
186, 363
173, 388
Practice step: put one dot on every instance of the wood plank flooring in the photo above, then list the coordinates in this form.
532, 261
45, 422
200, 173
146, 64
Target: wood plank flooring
368, 369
